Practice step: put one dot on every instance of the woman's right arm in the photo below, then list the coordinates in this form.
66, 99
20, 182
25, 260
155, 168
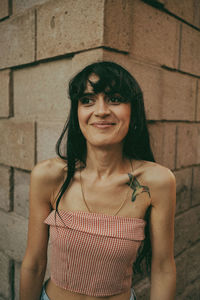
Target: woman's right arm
34, 263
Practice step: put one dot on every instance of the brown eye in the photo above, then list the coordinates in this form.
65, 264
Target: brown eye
86, 100
115, 99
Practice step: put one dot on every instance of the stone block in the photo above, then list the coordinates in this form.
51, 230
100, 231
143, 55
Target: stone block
183, 189
183, 9
117, 34
178, 96
17, 40
196, 186
5, 186
41, 91
187, 145
13, 235
180, 272
65, 27
142, 289
17, 279
5, 274
198, 101
163, 140
190, 50
19, 6
21, 192
153, 30
69, 26
4, 9
47, 136
187, 229
192, 263
191, 292
17, 144
5, 109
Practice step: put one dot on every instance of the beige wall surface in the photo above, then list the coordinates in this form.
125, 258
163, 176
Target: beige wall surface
42, 45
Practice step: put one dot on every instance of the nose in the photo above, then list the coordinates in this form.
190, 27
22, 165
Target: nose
101, 107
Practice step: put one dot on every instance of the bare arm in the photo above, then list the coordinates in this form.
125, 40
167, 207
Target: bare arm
163, 270
35, 259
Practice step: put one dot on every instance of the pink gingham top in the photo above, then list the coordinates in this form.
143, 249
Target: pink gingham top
93, 253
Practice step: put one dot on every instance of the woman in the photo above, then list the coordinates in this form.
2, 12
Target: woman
108, 204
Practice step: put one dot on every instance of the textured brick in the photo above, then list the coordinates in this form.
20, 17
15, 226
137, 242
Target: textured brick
192, 263
4, 93
198, 102
13, 34
181, 272
191, 292
163, 138
178, 96
142, 289
5, 270
69, 26
5, 174
190, 50
196, 186
17, 279
117, 34
17, 144
183, 189
13, 235
41, 91
21, 192
187, 145
153, 30
82, 59
4, 9
187, 227
47, 134
59, 31
183, 9
20, 6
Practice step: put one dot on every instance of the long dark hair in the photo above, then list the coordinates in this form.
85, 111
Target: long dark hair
115, 79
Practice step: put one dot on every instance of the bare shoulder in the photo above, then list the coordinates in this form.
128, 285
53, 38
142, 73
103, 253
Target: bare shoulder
50, 170
158, 175
159, 179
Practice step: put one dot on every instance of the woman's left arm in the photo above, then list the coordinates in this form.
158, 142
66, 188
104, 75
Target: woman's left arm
163, 269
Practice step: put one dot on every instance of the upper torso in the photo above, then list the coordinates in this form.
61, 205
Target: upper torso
102, 198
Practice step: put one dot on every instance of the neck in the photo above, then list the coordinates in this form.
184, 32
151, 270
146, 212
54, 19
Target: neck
106, 161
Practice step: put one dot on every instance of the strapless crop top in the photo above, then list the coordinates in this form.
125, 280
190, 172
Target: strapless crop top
93, 253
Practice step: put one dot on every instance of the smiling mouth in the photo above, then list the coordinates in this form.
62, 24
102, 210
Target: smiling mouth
103, 124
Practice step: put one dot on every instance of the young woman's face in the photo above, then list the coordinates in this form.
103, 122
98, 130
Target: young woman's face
104, 120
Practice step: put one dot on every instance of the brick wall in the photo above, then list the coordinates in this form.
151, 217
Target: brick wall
42, 44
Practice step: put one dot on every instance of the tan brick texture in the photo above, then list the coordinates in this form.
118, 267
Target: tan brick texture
4, 9
5, 109
155, 35
5, 188
5, 272
18, 144
41, 91
13, 34
183, 189
21, 192
190, 50
188, 139
13, 235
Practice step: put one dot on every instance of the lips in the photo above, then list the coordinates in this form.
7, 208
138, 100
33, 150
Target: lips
102, 124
